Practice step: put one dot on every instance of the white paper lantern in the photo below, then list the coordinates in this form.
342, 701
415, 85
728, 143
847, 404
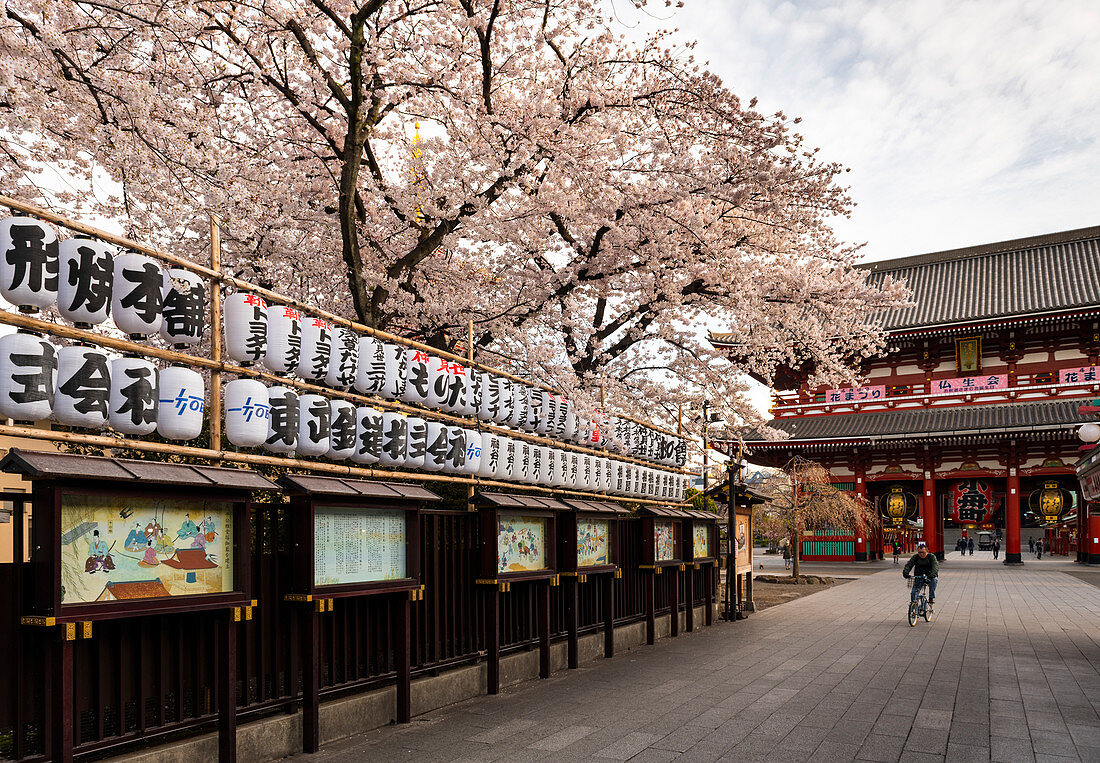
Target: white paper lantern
435, 456
284, 339
534, 410
418, 443
184, 308
439, 382
246, 413
608, 475
368, 436
473, 393
316, 347
395, 439
551, 466
396, 371
182, 400
548, 405
342, 425
597, 473
137, 294
455, 461
506, 468
28, 372
490, 455
417, 377
135, 396
458, 389
370, 374
473, 452
314, 426
28, 262
283, 419
518, 417
490, 405
86, 272
83, 393
245, 327
343, 359
569, 423
523, 463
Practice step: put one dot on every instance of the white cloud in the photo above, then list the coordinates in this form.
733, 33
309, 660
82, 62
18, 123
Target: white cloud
962, 122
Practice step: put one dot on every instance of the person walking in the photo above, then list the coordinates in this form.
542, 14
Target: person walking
996, 548
787, 556
1039, 549
970, 545
897, 550
961, 546
1031, 544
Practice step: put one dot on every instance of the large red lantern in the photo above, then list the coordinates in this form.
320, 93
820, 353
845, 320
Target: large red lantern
973, 501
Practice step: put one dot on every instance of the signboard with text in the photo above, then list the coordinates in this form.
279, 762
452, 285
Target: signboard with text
967, 384
855, 394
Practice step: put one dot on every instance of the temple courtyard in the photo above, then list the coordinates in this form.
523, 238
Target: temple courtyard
1006, 671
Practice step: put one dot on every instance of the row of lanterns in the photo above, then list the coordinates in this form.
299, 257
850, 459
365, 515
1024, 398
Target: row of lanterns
309, 425
81, 386
90, 281
285, 341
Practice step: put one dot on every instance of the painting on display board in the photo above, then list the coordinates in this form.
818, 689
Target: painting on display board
742, 543
354, 545
592, 542
664, 541
700, 541
125, 549
521, 543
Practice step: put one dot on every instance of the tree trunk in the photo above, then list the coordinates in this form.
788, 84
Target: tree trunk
795, 553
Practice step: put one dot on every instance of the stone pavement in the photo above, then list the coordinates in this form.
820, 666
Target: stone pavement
1006, 671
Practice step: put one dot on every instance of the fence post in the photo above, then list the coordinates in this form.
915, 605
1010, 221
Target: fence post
61, 714
571, 616
227, 684
689, 594
609, 614
674, 601
492, 640
544, 627
651, 607
404, 664
311, 678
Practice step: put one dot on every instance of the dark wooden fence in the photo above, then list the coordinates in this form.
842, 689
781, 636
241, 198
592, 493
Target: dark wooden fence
147, 680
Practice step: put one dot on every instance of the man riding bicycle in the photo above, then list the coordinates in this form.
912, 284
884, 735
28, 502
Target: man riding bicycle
925, 564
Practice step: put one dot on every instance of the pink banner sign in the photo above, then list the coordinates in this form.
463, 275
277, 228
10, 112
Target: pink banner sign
855, 394
968, 384
1085, 374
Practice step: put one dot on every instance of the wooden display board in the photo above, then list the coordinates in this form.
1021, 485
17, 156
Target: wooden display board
117, 538
353, 538
741, 542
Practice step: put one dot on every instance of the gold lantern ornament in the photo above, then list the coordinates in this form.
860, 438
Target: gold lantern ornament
1049, 501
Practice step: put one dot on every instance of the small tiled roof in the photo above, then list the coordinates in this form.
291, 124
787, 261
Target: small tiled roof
516, 501
1029, 276
335, 486
46, 465
954, 420
597, 507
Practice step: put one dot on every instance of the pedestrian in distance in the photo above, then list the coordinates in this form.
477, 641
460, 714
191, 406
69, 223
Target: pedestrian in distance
1039, 549
787, 557
1031, 544
961, 546
996, 548
970, 545
897, 550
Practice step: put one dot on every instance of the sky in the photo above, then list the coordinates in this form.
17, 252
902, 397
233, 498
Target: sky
962, 122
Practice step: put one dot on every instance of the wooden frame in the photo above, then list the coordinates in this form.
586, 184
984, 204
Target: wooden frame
649, 541
303, 509
688, 552
490, 531
47, 499
969, 344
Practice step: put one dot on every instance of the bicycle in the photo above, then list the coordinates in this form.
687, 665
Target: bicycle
920, 606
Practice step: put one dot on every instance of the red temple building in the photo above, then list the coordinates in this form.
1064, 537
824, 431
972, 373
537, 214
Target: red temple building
967, 427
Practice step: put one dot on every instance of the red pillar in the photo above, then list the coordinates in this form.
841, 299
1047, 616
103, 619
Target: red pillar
933, 533
1091, 542
1012, 517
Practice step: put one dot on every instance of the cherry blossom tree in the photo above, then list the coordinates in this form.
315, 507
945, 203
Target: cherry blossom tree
590, 203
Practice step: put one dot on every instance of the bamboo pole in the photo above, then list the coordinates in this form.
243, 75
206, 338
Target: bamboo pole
470, 359
107, 441
21, 320
215, 337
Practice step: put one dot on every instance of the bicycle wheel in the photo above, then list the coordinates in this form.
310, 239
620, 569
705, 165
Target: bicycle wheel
927, 611
912, 613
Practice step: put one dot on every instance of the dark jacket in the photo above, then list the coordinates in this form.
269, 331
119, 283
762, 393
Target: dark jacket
929, 566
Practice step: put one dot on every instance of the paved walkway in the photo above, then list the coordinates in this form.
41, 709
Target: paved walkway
1007, 670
